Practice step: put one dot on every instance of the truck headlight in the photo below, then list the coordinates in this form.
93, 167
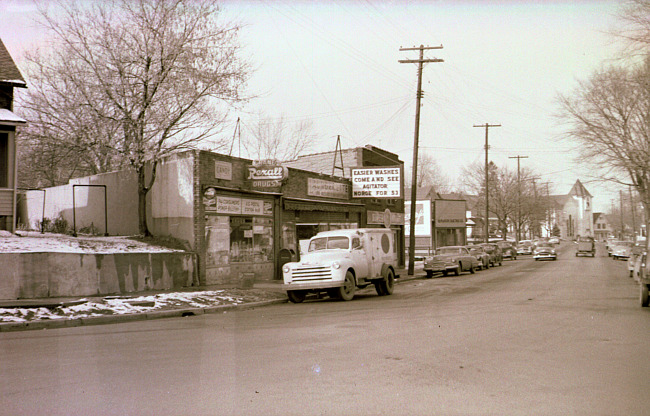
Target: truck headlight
336, 265
286, 269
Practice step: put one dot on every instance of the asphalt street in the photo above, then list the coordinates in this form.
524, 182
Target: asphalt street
547, 338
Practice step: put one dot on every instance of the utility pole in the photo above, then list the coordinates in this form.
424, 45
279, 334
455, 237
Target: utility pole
487, 194
548, 210
620, 202
518, 193
420, 62
633, 214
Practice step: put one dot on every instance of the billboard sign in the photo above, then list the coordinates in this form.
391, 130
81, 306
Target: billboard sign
422, 218
377, 182
450, 214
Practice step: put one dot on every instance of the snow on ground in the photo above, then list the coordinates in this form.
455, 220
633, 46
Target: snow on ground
119, 305
33, 241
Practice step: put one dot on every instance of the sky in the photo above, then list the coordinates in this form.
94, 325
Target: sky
335, 63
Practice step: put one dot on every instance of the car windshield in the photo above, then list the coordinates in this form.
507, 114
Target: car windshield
328, 243
448, 250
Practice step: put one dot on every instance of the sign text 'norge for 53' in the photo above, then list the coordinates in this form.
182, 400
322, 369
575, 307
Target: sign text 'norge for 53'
376, 182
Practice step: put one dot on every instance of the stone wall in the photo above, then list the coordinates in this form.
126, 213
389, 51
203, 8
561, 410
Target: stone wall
43, 275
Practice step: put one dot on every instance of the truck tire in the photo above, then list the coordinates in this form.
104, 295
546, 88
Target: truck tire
296, 296
643, 295
346, 292
387, 285
429, 274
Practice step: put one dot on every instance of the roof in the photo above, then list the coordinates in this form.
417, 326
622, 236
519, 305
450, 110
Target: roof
9, 118
9, 72
579, 190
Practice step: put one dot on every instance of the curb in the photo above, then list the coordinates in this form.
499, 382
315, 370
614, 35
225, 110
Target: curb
130, 317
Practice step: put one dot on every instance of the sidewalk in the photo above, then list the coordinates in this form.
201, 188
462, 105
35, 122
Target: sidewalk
48, 313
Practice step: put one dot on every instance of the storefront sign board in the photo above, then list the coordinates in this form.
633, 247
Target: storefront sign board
223, 170
327, 189
376, 182
228, 205
379, 217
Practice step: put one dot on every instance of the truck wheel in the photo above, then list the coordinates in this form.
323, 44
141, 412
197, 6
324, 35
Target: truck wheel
429, 274
644, 295
346, 292
458, 269
296, 296
388, 283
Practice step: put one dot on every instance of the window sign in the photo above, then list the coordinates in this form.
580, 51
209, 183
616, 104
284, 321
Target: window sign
228, 205
376, 182
252, 207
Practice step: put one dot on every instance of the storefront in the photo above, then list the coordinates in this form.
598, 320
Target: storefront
450, 222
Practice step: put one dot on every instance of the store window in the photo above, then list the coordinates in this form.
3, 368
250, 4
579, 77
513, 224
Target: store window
238, 239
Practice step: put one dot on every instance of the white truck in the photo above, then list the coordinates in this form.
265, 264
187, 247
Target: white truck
338, 262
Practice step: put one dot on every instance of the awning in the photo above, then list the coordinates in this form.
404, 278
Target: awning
11, 119
298, 204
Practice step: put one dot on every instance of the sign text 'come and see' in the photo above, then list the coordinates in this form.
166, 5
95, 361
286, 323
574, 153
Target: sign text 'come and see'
376, 182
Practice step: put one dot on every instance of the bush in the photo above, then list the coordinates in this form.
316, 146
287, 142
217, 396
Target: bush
58, 226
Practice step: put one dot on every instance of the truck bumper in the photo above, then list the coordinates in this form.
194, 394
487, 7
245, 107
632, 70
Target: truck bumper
311, 285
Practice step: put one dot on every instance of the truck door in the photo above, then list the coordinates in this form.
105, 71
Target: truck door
361, 253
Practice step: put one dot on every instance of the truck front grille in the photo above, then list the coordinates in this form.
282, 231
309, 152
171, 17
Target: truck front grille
311, 273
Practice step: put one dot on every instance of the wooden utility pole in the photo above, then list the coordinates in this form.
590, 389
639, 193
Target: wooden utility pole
518, 194
420, 62
633, 214
487, 181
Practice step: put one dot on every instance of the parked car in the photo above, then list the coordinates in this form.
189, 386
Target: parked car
481, 255
454, 259
622, 250
508, 249
554, 240
496, 256
544, 252
525, 247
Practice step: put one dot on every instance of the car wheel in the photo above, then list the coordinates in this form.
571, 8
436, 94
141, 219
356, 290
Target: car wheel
472, 269
387, 284
644, 295
296, 296
346, 292
458, 269
445, 273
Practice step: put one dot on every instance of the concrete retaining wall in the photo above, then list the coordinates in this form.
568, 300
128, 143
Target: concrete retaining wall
42, 275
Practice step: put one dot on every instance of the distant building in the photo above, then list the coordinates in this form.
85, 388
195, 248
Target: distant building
572, 213
10, 77
602, 227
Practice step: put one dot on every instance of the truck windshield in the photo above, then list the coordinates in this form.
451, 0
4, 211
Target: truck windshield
328, 243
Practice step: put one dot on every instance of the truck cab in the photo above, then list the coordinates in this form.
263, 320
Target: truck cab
338, 262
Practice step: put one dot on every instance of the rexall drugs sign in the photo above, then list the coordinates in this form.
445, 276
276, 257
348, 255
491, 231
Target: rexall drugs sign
376, 182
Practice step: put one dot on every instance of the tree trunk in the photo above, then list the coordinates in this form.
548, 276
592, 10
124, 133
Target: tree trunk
142, 202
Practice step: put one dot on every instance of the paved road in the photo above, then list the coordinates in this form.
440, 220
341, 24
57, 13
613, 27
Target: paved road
548, 338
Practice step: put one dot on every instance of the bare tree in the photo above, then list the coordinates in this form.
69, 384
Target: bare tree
609, 117
635, 16
429, 174
161, 73
278, 138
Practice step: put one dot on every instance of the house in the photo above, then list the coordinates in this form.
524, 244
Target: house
602, 227
10, 78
